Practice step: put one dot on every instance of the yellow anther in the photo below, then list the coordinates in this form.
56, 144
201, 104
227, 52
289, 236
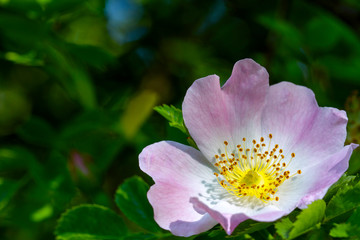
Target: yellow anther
256, 172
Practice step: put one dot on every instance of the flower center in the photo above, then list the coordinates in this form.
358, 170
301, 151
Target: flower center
251, 178
257, 171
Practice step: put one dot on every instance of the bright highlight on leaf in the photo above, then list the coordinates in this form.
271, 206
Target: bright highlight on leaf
42, 213
173, 115
283, 227
137, 111
308, 218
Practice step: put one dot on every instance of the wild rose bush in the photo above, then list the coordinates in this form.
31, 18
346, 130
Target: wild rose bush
112, 125
244, 130
261, 160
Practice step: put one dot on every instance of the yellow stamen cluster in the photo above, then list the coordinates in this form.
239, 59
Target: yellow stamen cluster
253, 171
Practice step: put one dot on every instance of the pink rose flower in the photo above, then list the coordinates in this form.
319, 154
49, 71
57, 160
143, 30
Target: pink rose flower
264, 151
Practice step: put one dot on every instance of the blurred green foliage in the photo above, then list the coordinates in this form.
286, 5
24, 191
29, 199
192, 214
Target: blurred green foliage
79, 81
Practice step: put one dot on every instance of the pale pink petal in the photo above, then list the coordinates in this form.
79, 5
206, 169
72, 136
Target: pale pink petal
179, 172
299, 125
324, 175
214, 115
230, 215
187, 229
173, 211
314, 180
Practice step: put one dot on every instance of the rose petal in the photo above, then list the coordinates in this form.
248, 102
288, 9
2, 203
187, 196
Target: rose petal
214, 115
299, 125
186, 229
172, 211
325, 175
230, 216
179, 173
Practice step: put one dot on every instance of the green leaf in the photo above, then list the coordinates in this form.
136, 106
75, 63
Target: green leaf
137, 111
54, 7
341, 230
13, 158
14, 109
140, 236
14, 27
18, 159
73, 77
345, 200
308, 218
173, 115
191, 142
90, 222
355, 217
42, 213
343, 181
349, 229
84, 87
322, 33
29, 58
37, 131
131, 199
318, 234
8, 189
91, 133
287, 33
284, 227
216, 232
249, 226
94, 56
